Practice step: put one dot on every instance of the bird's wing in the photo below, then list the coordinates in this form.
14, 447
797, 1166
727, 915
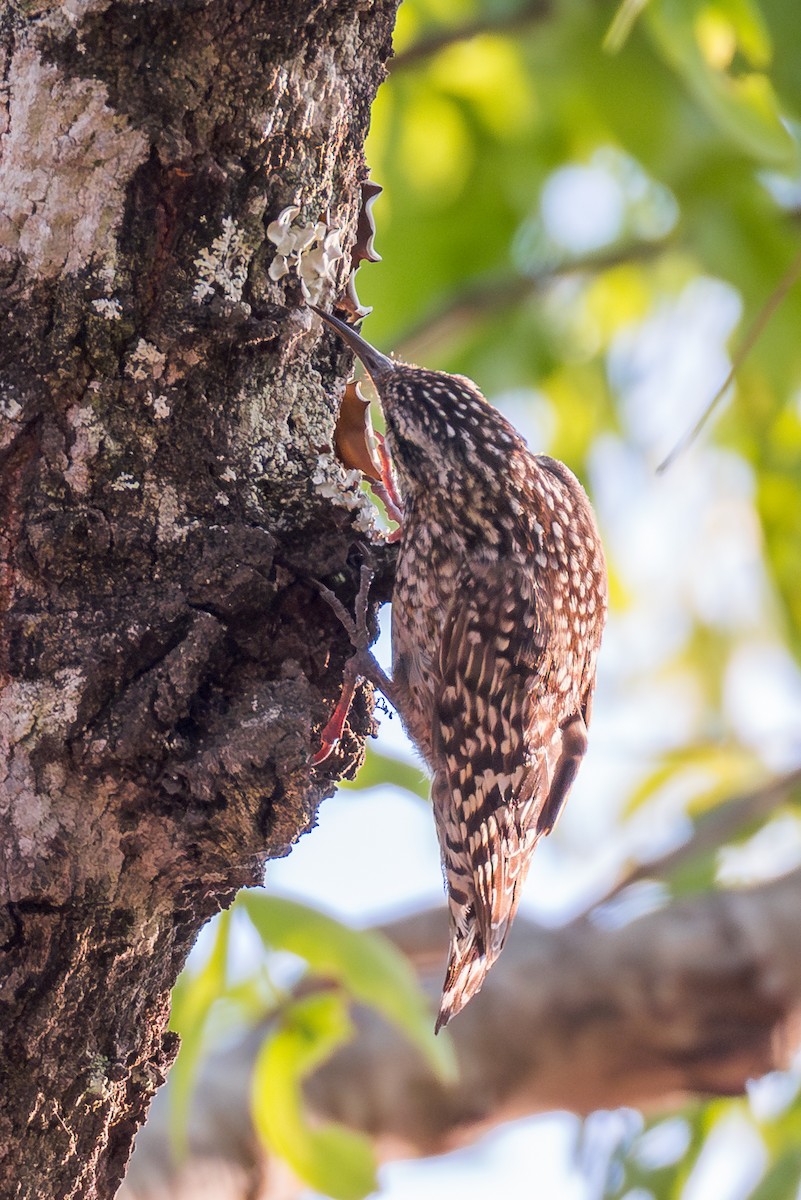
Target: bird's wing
507, 748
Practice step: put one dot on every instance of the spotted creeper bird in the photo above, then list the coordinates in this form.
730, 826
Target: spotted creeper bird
497, 613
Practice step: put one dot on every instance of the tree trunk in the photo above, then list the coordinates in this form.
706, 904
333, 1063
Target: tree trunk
166, 494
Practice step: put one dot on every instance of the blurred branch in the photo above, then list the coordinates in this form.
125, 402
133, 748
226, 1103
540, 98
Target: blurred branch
692, 1000
502, 22
488, 295
712, 830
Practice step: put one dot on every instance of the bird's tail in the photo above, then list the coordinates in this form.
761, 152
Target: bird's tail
467, 969
478, 939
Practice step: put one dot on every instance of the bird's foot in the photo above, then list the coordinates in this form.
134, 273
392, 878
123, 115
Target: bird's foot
360, 666
332, 731
386, 490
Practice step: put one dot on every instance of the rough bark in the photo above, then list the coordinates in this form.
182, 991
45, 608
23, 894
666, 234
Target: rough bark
690, 1001
165, 412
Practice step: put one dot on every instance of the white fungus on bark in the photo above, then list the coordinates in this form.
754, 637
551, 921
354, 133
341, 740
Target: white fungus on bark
313, 251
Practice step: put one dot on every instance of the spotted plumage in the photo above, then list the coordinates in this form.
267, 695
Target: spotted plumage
497, 613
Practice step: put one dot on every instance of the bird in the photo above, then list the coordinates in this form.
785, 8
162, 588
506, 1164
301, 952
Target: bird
498, 607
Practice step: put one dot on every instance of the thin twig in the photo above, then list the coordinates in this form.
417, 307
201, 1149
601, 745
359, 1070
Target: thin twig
492, 294
790, 277
712, 830
506, 22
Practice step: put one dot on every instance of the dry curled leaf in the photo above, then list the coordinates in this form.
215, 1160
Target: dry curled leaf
363, 248
353, 437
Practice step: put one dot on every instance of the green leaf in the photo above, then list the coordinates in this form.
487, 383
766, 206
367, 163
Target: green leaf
743, 106
782, 1179
330, 1158
380, 770
747, 22
366, 964
695, 875
192, 1000
622, 24
715, 769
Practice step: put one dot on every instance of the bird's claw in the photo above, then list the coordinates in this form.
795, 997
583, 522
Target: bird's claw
355, 626
359, 634
386, 490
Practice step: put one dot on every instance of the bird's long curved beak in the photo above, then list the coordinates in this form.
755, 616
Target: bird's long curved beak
378, 365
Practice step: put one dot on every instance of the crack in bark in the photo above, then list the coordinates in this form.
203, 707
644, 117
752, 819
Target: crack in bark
161, 677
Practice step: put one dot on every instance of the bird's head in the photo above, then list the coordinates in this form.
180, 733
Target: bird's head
439, 425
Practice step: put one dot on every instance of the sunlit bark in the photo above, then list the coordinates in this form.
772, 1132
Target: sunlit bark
163, 409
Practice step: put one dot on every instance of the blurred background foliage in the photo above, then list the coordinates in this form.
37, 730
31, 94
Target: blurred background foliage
586, 207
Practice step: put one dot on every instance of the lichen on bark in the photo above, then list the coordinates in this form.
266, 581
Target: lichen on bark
164, 656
